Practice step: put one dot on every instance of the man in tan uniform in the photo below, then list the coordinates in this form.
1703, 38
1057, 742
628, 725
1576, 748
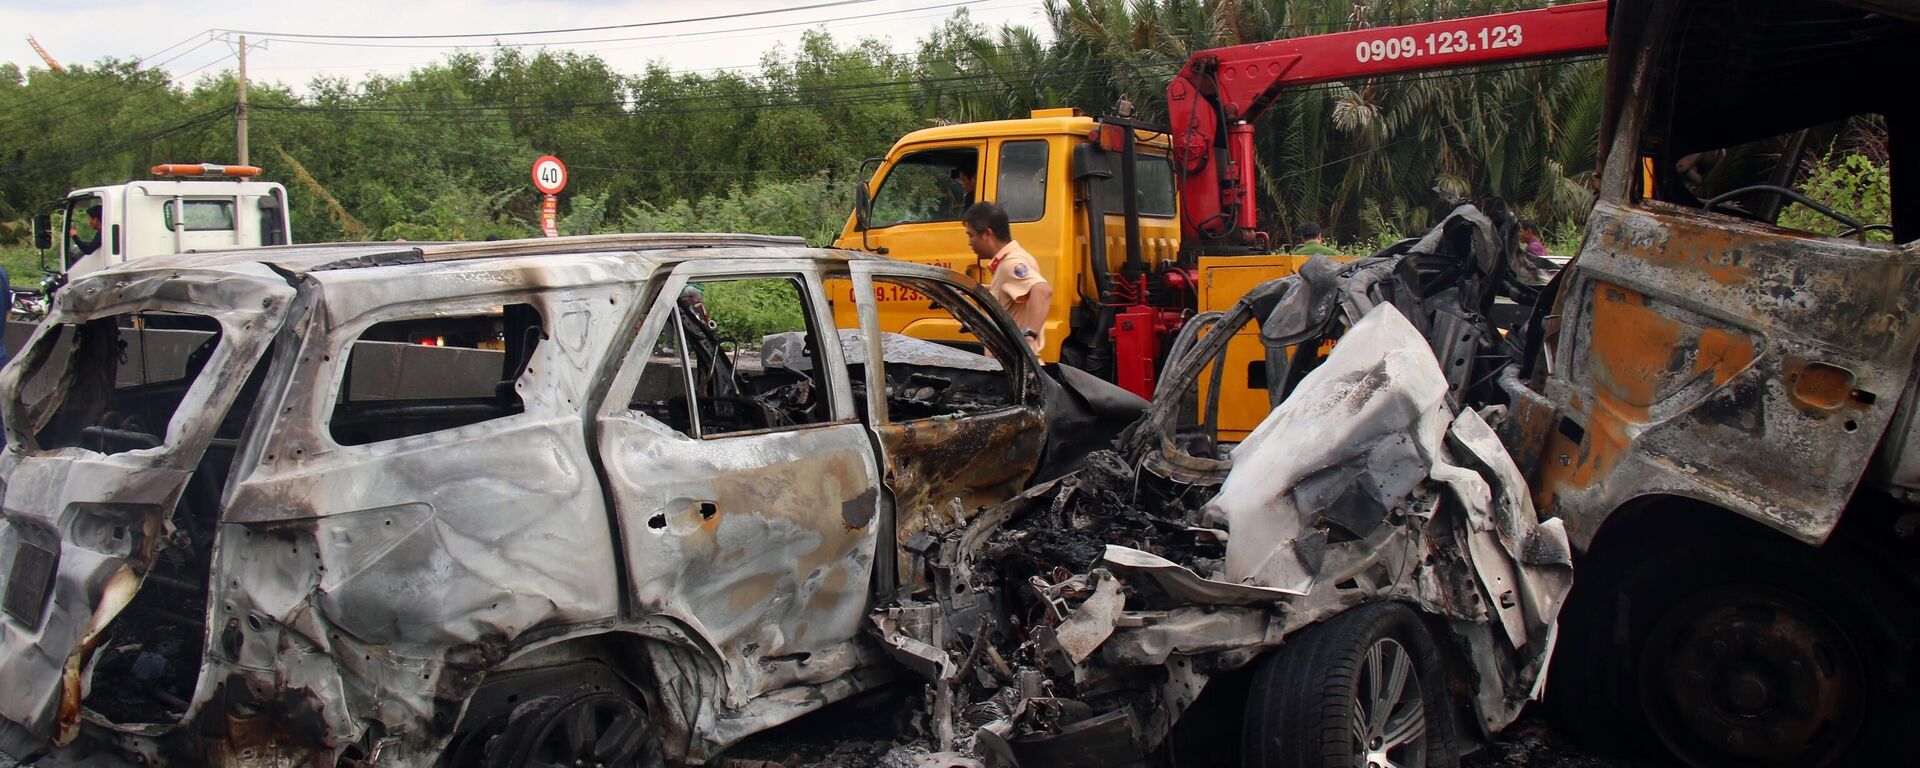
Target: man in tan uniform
1017, 282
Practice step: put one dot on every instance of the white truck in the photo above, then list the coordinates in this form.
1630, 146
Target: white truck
190, 207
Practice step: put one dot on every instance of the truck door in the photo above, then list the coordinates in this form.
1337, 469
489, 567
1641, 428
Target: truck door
89, 242
744, 484
916, 213
1718, 341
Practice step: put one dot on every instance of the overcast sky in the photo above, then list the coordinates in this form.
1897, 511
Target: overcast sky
83, 31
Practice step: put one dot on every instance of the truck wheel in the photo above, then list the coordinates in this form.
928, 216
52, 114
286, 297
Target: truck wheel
1747, 674
1756, 652
1361, 689
588, 726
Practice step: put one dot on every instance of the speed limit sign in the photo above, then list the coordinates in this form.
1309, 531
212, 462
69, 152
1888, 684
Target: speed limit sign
549, 175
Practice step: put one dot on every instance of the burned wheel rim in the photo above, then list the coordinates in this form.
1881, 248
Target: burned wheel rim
1389, 720
1750, 675
597, 730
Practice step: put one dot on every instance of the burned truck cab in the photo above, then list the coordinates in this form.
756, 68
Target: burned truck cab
1721, 410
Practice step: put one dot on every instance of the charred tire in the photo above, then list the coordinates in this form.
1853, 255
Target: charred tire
590, 725
1364, 688
1771, 655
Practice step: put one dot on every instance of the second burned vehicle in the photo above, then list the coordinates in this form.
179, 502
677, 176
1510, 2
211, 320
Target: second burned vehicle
1363, 581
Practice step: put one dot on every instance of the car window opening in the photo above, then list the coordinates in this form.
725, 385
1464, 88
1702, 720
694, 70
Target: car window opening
113, 384
422, 375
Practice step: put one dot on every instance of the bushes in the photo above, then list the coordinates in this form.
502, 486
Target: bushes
1852, 184
813, 208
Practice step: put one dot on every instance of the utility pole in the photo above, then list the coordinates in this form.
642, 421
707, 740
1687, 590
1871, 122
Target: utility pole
240, 116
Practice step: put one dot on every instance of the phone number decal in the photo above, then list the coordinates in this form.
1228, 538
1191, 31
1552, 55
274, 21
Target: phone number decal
1439, 43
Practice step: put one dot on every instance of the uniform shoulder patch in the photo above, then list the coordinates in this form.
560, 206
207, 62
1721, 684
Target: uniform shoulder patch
1020, 271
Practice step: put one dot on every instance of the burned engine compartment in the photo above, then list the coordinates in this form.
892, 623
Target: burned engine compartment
1075, 624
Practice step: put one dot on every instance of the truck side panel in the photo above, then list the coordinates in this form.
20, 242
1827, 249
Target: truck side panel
1736, 363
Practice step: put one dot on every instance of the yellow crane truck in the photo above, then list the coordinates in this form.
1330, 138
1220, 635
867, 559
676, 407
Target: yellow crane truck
1137, 227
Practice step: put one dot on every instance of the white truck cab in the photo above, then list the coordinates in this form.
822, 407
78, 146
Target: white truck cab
220, 207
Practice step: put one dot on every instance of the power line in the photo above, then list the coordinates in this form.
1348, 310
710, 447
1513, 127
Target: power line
884, 89
24, 110
636, 25
76, 107
669, 36
838, 71
812, 97
194, 122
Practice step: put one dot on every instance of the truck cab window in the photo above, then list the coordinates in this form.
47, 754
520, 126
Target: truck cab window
1153, 180
86, 230
201, 215
1022, 184
931, 185
1761, 137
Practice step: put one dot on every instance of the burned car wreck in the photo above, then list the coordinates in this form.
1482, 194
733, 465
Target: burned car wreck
413, 504
504, 504
1367, 563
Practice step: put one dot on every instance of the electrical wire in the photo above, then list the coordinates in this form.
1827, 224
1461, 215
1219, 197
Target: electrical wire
523, 33
811, 97
195, 122
136, 62
641, 38
76, 108
26, 111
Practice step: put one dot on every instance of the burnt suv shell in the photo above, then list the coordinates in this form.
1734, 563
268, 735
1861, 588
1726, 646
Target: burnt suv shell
223, 563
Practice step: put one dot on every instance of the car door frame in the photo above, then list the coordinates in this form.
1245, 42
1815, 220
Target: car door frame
754, 657
900, 445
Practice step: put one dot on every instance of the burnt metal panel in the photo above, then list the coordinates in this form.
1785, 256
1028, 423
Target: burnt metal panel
1727, 361
46, 489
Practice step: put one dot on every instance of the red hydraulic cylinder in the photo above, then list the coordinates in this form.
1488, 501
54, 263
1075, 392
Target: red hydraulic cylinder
1240, 144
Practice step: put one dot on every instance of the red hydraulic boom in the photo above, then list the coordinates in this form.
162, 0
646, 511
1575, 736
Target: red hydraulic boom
1212, 103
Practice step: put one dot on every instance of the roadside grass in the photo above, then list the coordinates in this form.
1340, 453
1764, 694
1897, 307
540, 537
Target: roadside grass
22, 263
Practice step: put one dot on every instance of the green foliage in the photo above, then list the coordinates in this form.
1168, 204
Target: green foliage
447, 207
442, 152
811, 208
22, 263
1852, 184
747, 310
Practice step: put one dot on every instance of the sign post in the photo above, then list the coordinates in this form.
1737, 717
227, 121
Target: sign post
549, 176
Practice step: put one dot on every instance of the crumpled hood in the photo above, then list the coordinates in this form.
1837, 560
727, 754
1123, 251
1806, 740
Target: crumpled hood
1350, 443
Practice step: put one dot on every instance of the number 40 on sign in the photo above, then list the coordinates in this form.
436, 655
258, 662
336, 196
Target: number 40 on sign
549, 176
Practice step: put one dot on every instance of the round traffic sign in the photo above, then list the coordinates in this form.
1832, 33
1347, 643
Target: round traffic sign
549, 174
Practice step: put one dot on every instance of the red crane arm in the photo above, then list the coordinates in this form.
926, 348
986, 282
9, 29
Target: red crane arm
1229, 87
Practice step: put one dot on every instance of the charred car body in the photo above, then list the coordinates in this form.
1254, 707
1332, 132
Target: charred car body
313, 505
1363, 580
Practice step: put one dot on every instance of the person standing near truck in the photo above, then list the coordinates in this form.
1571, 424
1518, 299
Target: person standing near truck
1017, 283
1310, 244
